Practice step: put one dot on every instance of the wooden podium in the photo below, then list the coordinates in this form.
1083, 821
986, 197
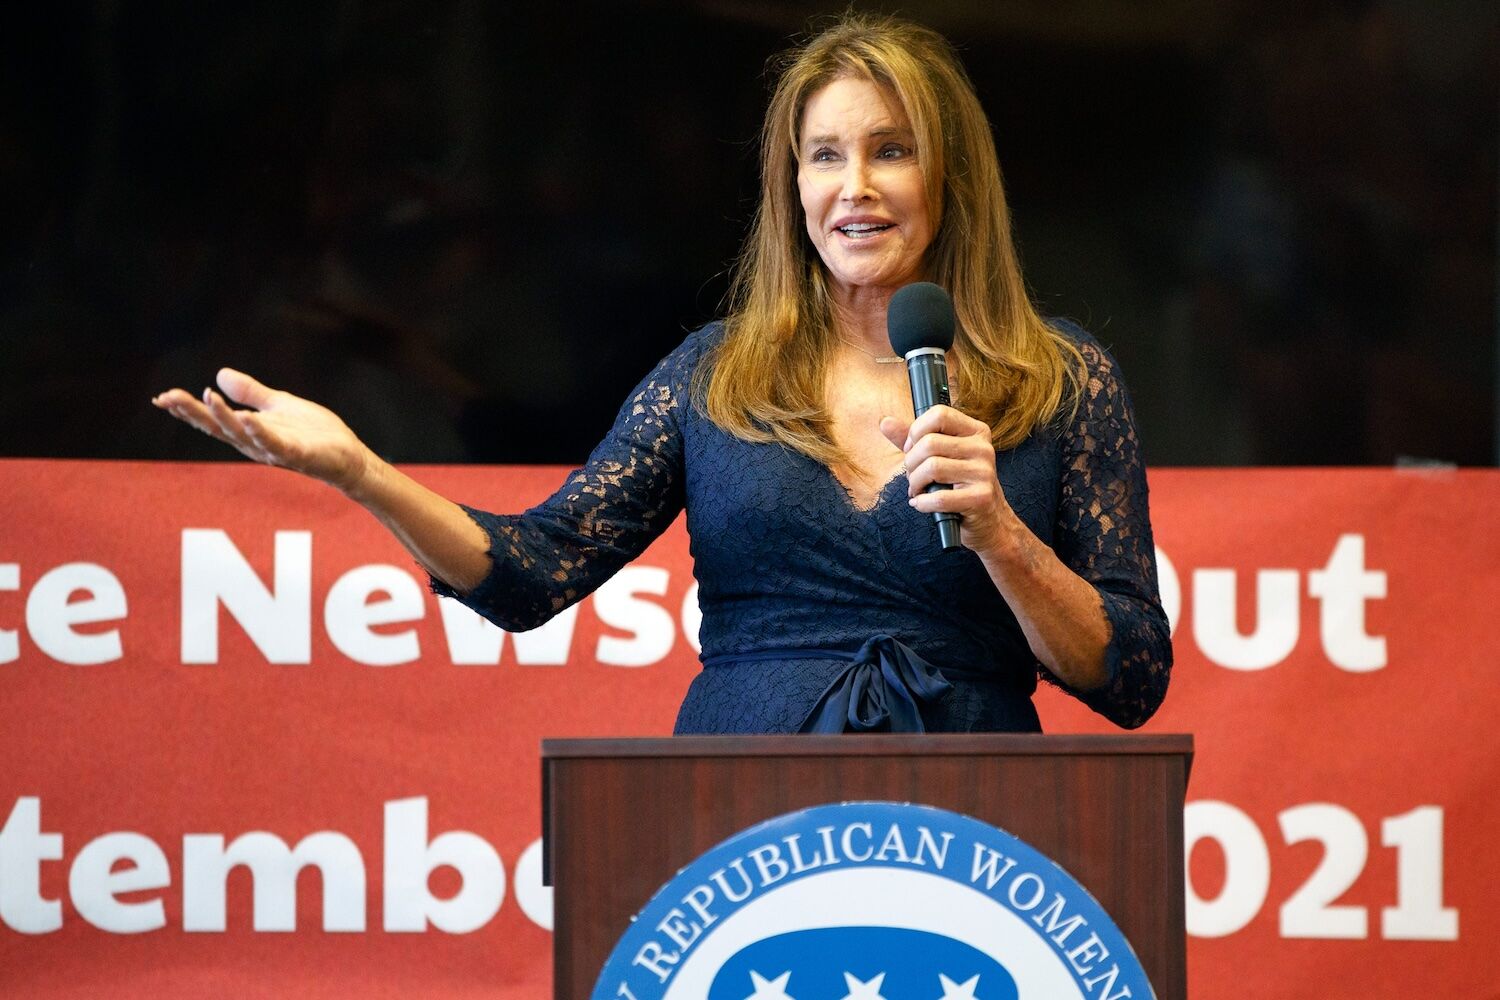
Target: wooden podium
620, 817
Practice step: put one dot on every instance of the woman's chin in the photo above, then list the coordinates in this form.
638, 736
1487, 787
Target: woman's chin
863, 281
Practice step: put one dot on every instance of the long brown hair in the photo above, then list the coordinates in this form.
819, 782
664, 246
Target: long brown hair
765, 381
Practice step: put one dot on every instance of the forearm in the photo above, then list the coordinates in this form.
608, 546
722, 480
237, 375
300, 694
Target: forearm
1060, 613
435, 530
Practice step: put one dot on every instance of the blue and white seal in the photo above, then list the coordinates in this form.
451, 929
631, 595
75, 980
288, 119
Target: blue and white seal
872, 901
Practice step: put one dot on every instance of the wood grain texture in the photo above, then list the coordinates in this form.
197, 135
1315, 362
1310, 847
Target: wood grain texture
623, 816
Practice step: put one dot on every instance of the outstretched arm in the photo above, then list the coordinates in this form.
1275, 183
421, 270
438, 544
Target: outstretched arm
290, 432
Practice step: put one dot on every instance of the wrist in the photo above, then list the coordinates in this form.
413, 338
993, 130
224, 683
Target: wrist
1007, 544
362, 482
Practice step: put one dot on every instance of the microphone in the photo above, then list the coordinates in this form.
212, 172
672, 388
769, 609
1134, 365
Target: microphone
919, 322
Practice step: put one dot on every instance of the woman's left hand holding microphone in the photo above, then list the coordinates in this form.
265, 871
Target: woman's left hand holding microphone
1058, 611
945, 445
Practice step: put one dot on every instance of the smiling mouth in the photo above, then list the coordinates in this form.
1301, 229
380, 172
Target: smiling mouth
864, 230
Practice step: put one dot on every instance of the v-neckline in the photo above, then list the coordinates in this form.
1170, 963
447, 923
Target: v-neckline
851, 501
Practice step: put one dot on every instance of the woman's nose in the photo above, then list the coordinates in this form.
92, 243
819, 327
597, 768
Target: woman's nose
856, 182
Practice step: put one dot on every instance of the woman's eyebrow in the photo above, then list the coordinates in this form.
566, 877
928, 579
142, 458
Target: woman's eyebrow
874, 133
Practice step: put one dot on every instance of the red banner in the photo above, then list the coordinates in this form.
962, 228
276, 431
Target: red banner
245, 753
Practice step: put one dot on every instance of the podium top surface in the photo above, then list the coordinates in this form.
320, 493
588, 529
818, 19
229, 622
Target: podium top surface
862, 745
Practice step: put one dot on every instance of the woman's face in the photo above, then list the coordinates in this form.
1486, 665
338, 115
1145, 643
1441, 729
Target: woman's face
862, 191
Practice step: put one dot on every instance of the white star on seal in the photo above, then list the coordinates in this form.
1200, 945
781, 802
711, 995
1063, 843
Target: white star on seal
863, 991
770, 989
955, 991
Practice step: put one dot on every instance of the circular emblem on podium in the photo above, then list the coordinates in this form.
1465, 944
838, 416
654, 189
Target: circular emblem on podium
872, 901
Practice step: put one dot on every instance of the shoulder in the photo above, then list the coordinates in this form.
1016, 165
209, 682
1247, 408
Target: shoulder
694, 348
1102, 379
1101, 404
677, 368
703, 341
663, 391
1097, 359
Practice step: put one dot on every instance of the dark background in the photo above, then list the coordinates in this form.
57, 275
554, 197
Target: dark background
470, 228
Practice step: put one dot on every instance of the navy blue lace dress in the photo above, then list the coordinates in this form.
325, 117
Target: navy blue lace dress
821, 615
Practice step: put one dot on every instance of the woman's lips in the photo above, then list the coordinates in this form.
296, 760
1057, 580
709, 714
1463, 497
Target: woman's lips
859, 231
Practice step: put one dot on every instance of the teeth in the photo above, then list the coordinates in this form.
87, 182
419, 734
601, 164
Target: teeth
859, 230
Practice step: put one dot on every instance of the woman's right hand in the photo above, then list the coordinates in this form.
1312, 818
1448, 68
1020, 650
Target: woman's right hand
278, 429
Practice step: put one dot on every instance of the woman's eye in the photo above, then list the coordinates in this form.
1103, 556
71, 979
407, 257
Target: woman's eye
892, 151
823, 155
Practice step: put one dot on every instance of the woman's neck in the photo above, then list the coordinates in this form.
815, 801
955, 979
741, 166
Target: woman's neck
859, 318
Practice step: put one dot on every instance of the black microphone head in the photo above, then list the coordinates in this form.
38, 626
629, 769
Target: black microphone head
920, 315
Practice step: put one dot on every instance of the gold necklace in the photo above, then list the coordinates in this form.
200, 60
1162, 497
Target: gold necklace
893, 360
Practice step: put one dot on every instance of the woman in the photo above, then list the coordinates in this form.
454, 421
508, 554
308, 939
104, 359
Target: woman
789, 440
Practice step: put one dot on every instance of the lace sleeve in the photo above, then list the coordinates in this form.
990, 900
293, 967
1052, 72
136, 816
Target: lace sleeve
1104, 535
604, 514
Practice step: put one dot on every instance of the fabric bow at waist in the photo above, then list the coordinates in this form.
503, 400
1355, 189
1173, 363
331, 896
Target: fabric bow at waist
882, 687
